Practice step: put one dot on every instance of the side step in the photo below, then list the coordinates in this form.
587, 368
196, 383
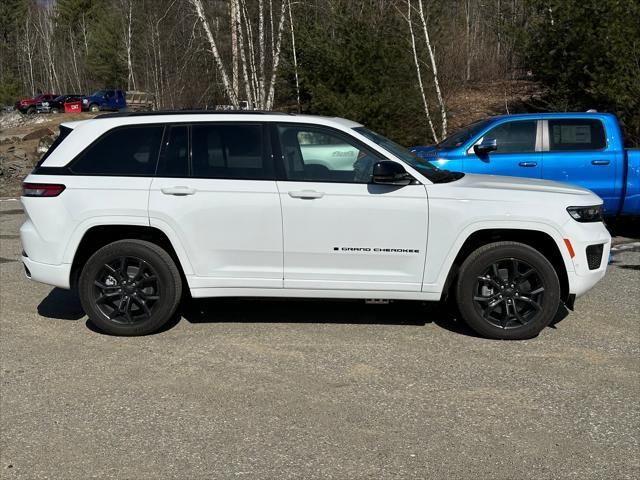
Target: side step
377, 301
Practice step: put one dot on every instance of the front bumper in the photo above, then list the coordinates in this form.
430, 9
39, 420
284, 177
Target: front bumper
581, 236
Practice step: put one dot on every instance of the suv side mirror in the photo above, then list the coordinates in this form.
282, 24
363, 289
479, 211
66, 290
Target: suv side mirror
486, 146
387, 172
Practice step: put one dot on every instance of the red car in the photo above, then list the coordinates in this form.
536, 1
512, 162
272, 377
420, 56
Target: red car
28, 105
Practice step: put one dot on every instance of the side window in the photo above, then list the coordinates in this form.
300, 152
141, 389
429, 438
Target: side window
174, 157
576, 134
514, 137
122, 151
230, 151
322, 155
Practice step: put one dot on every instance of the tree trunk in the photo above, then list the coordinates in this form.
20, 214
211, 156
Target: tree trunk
434, 69
425, 103
197, 5
276, 59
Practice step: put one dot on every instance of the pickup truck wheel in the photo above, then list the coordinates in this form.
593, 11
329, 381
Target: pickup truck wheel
130, 287
507, 290
55, 110
94, 108
31, 110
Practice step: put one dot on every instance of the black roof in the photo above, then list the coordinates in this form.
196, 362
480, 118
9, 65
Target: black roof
189, 112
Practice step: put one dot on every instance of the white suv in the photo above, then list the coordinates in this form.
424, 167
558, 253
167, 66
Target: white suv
135, 209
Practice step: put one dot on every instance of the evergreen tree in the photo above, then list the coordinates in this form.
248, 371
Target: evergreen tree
587, 52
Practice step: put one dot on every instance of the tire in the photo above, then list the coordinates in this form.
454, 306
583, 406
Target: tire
507, 291
136, 297
31, 110
94, 108
55, 110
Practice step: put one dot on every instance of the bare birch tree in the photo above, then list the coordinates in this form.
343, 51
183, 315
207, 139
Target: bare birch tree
199, 9
425, 103
434, 70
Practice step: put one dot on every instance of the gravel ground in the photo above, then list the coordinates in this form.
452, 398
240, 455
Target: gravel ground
309, 389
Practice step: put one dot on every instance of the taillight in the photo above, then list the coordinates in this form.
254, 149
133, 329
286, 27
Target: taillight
41, 189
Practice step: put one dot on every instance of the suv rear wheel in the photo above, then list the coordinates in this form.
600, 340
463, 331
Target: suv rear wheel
507, 290
130, 287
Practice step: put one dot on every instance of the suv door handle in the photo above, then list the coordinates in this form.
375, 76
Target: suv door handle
599, 162
528, 164
179, 190
306, 194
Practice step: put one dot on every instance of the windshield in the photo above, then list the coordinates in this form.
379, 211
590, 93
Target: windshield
399, 151
99, 93
463, 136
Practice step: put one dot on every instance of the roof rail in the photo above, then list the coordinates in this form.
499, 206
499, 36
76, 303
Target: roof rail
189, 112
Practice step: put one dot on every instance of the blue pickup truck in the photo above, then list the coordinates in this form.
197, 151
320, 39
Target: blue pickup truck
105, 99
585, 149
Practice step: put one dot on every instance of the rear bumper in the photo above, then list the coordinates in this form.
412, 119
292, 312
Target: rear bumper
56, 275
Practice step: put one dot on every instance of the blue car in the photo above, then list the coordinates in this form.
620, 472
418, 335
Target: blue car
105, 99
585, 149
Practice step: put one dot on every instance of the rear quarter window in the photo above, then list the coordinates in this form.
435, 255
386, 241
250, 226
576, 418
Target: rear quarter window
578, 134
123, 151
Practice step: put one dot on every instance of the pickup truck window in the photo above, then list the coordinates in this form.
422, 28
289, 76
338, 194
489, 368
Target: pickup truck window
462, 136
576, 134
322, 155
514, 137
229, 151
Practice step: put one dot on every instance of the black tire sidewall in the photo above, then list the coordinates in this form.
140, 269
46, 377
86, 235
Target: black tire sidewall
478, 262
170, 289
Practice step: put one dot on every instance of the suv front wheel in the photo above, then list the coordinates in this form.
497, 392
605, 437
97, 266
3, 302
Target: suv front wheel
507, 290
130, 287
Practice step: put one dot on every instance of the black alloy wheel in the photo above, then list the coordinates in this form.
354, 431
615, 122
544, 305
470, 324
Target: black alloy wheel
130, 287
127, 290
507, 290
509, 293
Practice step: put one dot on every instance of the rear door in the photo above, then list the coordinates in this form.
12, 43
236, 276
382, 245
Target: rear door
576, 152
340, 230
215, 189
518, 153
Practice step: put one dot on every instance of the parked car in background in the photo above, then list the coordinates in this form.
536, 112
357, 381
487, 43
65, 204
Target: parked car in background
585, 149
28, 105
105, 99
57, 105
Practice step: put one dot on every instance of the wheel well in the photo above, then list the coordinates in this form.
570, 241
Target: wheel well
540, 241
99, 236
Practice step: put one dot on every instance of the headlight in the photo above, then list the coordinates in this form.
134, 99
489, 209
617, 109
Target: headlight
586, 214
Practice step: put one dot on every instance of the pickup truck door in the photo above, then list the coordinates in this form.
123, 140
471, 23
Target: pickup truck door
576, 151
217, 193
341, 231
518, 151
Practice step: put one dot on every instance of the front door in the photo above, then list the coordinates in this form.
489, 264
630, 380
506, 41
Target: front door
340, 230
218, 194
518, 151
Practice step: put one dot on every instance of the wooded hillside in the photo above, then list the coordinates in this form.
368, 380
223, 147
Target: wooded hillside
400, 66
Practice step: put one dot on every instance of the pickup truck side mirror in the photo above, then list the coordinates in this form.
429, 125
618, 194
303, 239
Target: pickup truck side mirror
387, 172
486, 146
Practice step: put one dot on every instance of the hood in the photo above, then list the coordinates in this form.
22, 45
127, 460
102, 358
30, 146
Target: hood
520, 184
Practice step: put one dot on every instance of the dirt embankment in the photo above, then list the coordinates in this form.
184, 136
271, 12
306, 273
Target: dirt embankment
23, 140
